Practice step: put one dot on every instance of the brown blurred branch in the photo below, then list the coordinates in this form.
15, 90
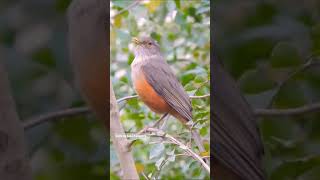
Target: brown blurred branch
58, 115
14, 163
34, 121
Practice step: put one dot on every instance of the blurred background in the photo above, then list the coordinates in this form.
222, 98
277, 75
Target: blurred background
33, 46
262, 43
182, 30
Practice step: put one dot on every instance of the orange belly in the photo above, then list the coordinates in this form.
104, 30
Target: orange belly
149, 96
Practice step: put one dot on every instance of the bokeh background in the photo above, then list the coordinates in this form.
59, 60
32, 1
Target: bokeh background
33, 46
261, 43
182, 31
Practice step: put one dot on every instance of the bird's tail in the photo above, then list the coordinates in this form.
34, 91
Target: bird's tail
198, 141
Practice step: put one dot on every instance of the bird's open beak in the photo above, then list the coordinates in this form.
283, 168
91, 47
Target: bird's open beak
135, 41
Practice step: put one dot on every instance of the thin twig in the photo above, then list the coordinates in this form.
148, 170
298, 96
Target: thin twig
55, 116
144, 175
145, 128
34, 121
136, 96
200, 97
310, 62
62, 114
126, 98
288, 112
132, 5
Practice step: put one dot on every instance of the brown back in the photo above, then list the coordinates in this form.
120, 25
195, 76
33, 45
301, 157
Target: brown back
160, 76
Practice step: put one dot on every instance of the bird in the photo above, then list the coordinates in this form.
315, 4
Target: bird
236, 144
157, 86
88, 52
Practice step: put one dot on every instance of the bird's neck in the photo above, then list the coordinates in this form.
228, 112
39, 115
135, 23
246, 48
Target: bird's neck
143, 58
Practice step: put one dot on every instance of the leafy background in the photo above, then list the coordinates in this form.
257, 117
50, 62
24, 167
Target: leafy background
182, 30
261, 43
33, 37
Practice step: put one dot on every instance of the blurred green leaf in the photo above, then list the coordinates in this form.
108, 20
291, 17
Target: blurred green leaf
285, 55
45, 57
253, 82
156, 150
315, 37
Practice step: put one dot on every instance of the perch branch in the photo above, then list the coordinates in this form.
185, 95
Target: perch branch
32, 122
160, 133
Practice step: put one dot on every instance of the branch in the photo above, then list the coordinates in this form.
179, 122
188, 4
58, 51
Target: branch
310, 62
288, 112
136, 96
35, 121
120, 141
135, 3
126, 98
200, 97
14, 163
32, 122
160, 133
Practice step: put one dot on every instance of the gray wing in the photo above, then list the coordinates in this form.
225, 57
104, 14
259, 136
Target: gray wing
236, 140
160, 76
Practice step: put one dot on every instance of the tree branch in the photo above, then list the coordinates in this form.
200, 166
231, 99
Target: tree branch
34, 121
120, 141
310, 63
160, 133
136, 96
58, 115
135, 3
288, 112
14, 163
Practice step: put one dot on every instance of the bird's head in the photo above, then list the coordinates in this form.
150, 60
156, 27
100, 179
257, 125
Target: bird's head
145, 46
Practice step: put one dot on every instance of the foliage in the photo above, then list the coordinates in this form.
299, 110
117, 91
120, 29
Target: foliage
182, 30
33, 46
261, 43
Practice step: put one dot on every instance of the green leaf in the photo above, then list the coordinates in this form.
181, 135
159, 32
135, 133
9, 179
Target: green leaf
285, 55
291, 95
118, 21
156, 36
156, 150
45, 57
315, 37
293, 168
121, 3
177, 2
153, 5
253, 82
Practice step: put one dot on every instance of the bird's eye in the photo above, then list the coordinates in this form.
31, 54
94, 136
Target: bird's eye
150, 43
